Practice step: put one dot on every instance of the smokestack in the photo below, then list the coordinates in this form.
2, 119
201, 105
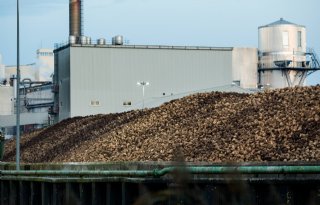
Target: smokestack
75, 18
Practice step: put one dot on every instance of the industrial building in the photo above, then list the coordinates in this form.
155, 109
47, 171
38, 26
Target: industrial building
95, 77
35, 102
41, 70
35, 93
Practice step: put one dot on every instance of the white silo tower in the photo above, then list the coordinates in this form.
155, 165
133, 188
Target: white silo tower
2, 71
282, 55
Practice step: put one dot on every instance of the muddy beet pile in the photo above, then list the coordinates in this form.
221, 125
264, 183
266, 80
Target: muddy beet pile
278, 125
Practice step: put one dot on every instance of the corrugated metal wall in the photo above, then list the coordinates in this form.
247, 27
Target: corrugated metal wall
244, 68
6, 97
25, 119
102, 79
62, 79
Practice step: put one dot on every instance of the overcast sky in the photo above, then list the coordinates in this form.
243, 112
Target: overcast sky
230, 23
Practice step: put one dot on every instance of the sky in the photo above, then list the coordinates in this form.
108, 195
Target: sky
216, 23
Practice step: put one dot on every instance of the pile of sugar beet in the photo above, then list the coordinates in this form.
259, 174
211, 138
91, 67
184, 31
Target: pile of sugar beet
274, 125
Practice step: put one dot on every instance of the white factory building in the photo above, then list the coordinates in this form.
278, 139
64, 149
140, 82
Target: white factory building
41, 70
92, 78
35, 93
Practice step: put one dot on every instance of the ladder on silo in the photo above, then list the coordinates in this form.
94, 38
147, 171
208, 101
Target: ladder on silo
314, 58
303, 73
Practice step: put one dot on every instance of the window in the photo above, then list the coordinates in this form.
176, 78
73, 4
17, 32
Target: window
127, 103
95, 103
285, 39
299, 39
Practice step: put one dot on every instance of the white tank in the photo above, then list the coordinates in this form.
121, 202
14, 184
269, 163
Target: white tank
281, 44
2, 70
117, 40
101, 41
72, 39
88, 40
2, 73
83, 40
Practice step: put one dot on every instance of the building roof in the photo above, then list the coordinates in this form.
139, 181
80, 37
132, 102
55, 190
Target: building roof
281, 22
67, 45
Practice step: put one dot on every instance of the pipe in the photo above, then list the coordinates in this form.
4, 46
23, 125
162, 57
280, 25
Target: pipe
167, 170
75, 18
256, 169
244, 170
107, 173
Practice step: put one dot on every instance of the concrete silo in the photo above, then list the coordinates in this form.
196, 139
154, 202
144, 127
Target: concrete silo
2, 70
282, 55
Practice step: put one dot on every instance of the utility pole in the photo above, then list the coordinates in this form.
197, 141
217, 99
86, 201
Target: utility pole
18, 95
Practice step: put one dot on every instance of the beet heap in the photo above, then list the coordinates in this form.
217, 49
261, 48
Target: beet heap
275, 125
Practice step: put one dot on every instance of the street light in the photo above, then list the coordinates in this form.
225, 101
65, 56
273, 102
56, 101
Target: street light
18, 95
143, 84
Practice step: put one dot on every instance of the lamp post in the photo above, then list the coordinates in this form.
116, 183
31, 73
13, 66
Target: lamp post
18, 95
143, 84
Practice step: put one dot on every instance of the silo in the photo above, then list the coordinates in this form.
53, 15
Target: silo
2, 70
282, 54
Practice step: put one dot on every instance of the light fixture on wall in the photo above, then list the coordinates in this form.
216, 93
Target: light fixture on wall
143, 84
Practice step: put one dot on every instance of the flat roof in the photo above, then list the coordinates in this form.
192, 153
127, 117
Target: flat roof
63, 46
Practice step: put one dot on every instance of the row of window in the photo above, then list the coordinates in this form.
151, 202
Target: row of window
285, 39
45, 53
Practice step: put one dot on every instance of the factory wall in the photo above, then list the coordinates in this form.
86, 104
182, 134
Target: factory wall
39, 118
103, 80
272, 39
45, 64
2, 73
6, 99
62, 81
2, 70
38, 95
34, 105
244, 67
26, 71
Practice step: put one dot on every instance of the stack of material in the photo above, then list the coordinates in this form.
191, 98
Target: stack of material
277, 125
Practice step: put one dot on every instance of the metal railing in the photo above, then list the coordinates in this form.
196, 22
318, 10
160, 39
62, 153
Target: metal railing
94, 43
314, 58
